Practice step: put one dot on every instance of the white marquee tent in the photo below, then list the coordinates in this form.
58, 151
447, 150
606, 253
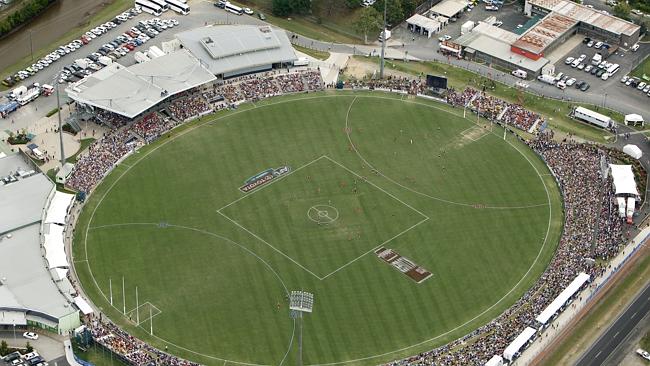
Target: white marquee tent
58, 209
634, 119
633, 151
562, 298
513, 348
624, 183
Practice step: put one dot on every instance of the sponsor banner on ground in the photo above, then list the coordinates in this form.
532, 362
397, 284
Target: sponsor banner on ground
263, 178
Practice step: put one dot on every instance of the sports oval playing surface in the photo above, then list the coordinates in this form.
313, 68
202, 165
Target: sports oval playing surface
410, 225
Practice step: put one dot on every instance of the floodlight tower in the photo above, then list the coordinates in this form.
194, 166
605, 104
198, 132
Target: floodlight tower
300, 302
383, 45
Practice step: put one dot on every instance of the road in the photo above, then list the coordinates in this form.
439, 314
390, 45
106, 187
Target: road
599, 352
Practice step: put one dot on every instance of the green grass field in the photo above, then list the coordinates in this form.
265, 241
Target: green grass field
212, 264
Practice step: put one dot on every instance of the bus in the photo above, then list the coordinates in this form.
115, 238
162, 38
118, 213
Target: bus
149, 7
178, 6
613, 69
163, 5
234, 9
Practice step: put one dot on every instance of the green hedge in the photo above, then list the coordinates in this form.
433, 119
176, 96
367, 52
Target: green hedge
27, 12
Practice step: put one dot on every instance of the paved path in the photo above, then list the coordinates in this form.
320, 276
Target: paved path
50, 346
599, 352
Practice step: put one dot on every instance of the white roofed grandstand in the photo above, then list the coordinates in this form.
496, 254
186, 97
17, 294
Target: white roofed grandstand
230, 50
130, 91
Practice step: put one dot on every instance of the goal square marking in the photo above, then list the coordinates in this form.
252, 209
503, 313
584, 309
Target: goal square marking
322, 216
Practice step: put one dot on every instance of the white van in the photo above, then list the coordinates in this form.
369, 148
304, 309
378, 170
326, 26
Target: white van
520, 73
302, 61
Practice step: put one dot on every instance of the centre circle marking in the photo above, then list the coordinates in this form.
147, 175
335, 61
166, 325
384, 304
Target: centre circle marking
323, 214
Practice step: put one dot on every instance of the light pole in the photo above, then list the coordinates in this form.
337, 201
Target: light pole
31, 45
383, 44
58, 106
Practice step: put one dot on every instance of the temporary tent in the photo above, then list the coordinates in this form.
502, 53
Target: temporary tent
496, 360
562, 298
633, 151
623, 179
634, 119
513, 348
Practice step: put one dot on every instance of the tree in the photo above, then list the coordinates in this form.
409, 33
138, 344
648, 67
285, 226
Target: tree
4, 348
394, 12
622, 10
300, 6
369, 20
408, 7
29, 347
352, 4
281, 8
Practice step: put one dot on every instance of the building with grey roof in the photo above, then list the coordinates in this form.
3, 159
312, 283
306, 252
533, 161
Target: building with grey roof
130, 91
590, 21
31, 294
231, 50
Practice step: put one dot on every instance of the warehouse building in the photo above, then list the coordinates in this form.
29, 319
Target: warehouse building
590, 22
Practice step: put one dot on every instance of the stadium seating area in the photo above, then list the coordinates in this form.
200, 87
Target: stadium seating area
494, 108
587, 197
117, 143
591, 229
130, 349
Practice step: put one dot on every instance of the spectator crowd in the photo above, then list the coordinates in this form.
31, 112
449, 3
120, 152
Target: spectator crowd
125, 135
592, 230
132, 350
494, 108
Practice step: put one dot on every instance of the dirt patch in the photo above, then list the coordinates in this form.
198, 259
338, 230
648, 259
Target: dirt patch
359, 69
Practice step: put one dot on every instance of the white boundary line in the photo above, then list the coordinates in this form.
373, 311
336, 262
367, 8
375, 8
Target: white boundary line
295, 261
289, 100
541, 249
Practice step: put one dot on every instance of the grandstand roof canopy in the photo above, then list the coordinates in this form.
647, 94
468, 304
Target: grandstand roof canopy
129, 91
225, 49
588, 15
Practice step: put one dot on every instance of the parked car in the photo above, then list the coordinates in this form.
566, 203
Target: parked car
598, 45
643, 354
624, 79
585, 87
569, 60
261, 16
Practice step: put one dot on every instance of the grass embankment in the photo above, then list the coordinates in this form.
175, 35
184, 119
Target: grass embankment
642, 69
84, 145
319, 55
645, 341
555, 111
328, 23
101, 16
604, 311
97, 356
8, 9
